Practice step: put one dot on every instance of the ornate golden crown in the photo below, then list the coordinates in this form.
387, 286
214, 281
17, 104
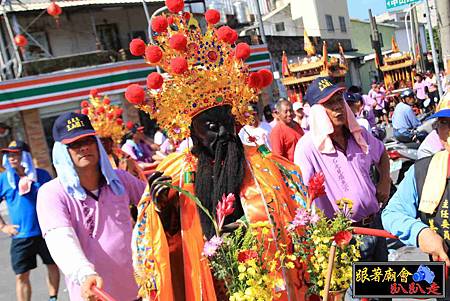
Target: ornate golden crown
203, 71
105, 118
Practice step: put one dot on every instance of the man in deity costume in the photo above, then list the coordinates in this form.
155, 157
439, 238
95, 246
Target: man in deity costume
208, 93
107, 121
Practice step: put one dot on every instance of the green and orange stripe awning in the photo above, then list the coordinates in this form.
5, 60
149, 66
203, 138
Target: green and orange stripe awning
74, 85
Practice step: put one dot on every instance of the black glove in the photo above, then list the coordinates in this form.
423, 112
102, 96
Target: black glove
158, 191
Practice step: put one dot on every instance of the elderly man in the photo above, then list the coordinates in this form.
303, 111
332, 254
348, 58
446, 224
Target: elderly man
286, 133
337, 146
19, 186
418, 211
84, 213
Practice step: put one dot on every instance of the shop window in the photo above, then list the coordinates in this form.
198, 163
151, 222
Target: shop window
342, 24
109, 36
329, 20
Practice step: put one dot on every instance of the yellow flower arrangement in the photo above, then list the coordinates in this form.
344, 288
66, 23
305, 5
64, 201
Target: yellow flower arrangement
245, 261
317, 235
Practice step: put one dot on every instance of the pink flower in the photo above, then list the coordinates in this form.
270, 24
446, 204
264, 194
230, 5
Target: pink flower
314, 218
211, 246
302, 218
224, 208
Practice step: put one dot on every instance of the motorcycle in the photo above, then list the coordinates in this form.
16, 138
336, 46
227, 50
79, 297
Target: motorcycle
401, 157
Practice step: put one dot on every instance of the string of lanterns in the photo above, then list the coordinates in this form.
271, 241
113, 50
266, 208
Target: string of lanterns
53, 10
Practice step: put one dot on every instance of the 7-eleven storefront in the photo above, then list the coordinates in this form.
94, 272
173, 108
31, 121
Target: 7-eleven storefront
30, 105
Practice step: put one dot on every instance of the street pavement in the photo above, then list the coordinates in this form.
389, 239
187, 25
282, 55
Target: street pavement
38, 275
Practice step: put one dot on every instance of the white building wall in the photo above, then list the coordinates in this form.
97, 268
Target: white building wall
307, 10
292, 27
313, 13
335, 8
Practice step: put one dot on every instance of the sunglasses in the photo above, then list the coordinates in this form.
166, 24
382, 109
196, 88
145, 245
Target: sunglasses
82, 142
13, 154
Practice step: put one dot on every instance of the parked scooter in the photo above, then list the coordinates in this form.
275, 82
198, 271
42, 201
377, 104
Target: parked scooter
401, 157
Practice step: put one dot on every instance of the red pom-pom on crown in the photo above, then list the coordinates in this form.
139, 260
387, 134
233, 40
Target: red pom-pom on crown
178, 42
212, 16
153, 54
119, 121
175, 6
226, 34
85, 104
85, 111
137, 47
266, 77
100, 110
179, 65
93, 92
106, 101
135, 94
118, 112
130, 125
242, 51
254, 80
154, 80
159, 24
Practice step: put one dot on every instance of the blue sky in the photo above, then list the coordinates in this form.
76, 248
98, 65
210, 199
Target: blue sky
360, 8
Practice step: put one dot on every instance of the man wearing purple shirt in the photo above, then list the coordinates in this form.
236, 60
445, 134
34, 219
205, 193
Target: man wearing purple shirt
345, 155
84, 213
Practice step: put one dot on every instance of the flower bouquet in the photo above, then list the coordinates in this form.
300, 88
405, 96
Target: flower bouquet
245, 260
315, 237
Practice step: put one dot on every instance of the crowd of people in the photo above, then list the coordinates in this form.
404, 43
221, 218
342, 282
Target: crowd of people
216, 142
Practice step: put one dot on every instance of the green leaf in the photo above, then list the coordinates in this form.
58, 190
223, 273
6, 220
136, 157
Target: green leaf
193, 198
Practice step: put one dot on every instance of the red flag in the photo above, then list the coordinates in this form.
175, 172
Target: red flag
418, 54
325, 55
284, 65
377, 60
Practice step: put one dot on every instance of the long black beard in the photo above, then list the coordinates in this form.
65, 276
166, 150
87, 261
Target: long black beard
217, 176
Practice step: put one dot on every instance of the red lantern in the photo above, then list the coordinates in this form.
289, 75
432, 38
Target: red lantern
20, 40
54, 10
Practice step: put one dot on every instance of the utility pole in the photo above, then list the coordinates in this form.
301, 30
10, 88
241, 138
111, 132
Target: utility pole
433, 50
376, 43
417, 35
262, 33
443, 14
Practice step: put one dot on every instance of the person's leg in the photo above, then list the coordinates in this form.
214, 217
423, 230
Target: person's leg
23, 287
23, 259
53, 280
52, 270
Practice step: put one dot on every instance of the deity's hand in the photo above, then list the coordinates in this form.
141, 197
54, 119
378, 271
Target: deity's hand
158, 191
169, 212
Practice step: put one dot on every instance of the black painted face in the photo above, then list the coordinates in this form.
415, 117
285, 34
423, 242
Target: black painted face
213, 125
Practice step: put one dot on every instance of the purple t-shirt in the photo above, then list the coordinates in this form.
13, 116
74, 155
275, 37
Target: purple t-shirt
420, 89
110, 249
145, 154
346, 174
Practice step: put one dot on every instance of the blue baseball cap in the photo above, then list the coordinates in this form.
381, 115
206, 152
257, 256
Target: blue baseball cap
352, 97
71, 126
16, 146
321, 89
